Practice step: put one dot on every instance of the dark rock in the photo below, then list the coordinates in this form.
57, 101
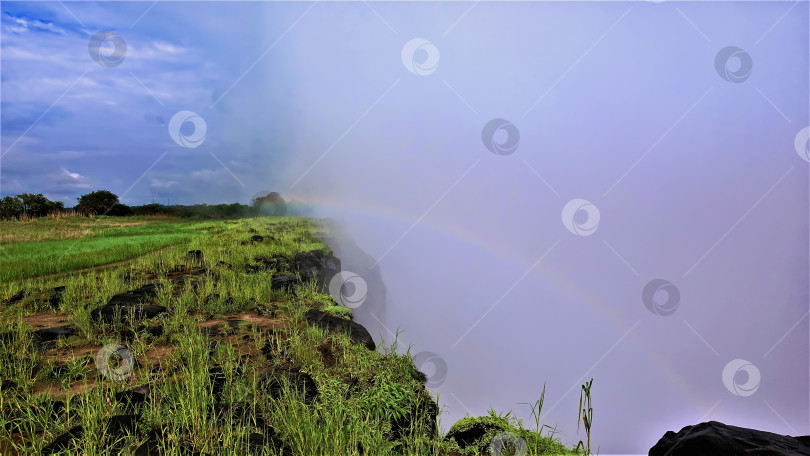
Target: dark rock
284, 282
316, 265
273, 381
217, 377
156, 444
214, 297
64, 441
420, 417
55, 299
128, 335
6, 385
357, 333
111, 313
51, 334
195, 257
714, 439
476, 433
237, 412
119, 306
8, 337
267, 439
16, 298
119, 426
256, 238
61, 370
134, 398
57, 408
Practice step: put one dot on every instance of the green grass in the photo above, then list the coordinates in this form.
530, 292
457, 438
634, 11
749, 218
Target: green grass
82, 245
369, 402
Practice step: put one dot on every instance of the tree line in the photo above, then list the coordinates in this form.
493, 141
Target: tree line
106, 203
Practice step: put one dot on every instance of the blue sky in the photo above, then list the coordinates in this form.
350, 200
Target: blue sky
693, 169
109, 124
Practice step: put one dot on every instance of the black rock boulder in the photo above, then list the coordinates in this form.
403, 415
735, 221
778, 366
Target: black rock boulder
714, 439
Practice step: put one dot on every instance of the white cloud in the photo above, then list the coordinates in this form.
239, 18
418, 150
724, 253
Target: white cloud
170, 48
22, 25
66, 180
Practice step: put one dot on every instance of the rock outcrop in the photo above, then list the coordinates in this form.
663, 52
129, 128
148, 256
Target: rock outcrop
717, 439
356, 332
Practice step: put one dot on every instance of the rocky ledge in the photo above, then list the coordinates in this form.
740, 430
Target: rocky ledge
717, 439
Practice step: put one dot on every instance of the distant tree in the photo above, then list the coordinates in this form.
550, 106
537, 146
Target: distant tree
97, 202
11, 207
230, 210
149, 209
120, 210
269, 204
36, 205
56, 206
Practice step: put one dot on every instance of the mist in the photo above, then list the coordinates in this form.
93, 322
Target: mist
690, 188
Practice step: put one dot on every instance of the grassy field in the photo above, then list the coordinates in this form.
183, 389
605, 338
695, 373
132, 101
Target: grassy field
230, 367
46, 245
